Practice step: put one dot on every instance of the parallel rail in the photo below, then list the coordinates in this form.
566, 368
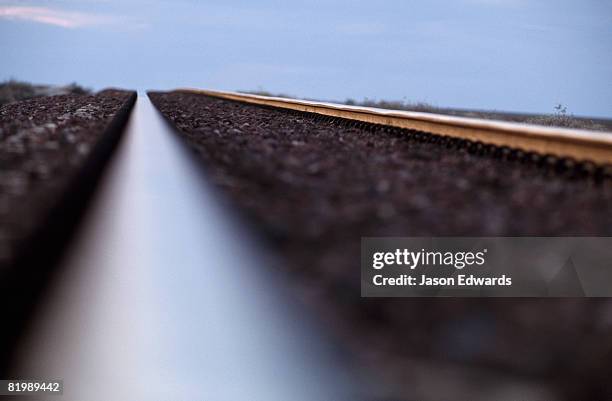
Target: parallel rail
580, 145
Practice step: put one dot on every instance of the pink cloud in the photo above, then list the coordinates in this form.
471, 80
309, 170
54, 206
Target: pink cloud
44, 15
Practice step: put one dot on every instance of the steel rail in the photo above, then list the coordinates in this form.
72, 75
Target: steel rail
580, 145
165, 296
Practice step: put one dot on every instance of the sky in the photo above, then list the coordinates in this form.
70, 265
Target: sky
510, 55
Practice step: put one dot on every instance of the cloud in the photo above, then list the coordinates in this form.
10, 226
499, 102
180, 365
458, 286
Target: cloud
64, 19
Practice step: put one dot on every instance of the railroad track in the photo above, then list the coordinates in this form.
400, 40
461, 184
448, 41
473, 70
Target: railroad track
164, 295
165, 281
555, 143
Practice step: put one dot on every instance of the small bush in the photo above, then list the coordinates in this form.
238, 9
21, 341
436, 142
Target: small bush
561, 118
262, 92
396, 105
13, 91
76, 89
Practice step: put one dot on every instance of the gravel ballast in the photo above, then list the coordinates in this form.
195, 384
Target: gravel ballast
53, 151
43, 142
314, 187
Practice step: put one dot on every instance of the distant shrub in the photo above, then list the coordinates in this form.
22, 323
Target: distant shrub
13, 91
561, 118
423, 107
262, 92
76, 89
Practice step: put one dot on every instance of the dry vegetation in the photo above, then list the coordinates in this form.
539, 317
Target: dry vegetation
559, 118
13, 91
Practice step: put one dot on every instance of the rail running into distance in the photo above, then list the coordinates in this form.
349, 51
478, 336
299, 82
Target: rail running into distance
579, 145
164, 295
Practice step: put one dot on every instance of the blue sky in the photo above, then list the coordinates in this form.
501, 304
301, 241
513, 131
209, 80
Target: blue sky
516, 55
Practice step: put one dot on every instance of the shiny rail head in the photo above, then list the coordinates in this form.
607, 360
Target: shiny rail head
580, 145
164, 297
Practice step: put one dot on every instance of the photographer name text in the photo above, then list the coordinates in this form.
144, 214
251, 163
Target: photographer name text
406, 259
